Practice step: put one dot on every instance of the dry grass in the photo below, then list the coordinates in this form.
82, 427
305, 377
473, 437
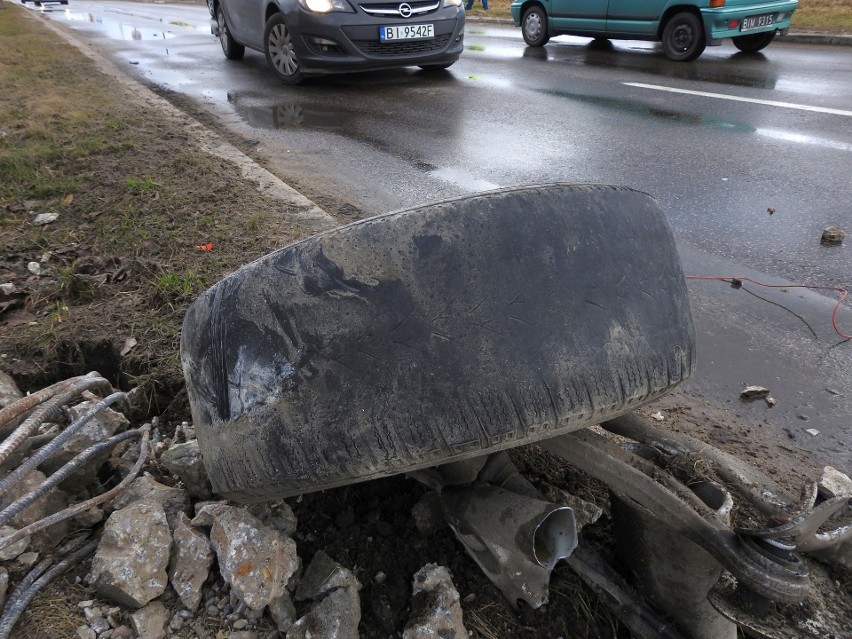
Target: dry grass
53, 613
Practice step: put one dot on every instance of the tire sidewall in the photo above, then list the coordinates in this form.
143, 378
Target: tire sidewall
676, 28
275, 20
754, 43
232, 49
543, 36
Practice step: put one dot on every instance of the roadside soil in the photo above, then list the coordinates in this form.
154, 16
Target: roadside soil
145, 221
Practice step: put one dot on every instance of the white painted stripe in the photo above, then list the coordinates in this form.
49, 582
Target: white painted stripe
736, 98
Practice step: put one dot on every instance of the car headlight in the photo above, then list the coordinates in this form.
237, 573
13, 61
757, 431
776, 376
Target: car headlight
452, 3
326, 6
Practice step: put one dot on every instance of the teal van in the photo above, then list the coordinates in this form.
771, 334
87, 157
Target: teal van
685, 27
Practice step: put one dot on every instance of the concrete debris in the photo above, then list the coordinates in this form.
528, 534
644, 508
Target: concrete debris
435, 608
428, 515
283, 612
832, 236
658, 416
813, 432
27, 560
129, 344
276, 515
89, 518
9, 391
34, 268
122, 632
833, 483
84, 632
11, 552
130, 563
99, 428
150, 622
335, 617
174, 501
256, 561
324, 575
43, 219
99, 625
751, 393
771, 401
192, 557
53, 502
184, 461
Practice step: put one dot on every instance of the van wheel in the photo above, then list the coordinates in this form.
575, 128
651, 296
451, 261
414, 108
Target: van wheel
755, 42
534, 27
683, 37
435, 334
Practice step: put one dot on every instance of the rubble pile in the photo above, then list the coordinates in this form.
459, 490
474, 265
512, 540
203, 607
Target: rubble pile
170, 561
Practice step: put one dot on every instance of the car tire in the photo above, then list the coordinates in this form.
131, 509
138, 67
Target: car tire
280, 50
683, 37
435, 334
232, 49
755, 42
534, 27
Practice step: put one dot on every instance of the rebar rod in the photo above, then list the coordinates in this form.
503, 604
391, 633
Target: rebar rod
26, 404
45, 452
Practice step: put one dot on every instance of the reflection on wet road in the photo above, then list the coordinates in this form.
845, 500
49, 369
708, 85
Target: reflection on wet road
719, 142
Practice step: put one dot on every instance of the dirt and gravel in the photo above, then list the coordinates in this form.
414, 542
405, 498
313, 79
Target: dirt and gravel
145, 220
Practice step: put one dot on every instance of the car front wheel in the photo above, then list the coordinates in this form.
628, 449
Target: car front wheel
534, 27
683, 37
754, 42
232, 49
280, 52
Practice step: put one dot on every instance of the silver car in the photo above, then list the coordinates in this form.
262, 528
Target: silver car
309, 37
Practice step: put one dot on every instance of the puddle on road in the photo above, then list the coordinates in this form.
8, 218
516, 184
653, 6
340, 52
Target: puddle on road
294, 115
120, 30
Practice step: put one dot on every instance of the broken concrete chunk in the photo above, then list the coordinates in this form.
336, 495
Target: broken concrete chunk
130, 564
833, 483
184, 461
751, 393
4, 586
9, 391
813, 432
150, 622
435, 608
658, 416
42, 219
53, 502
276, 515
12, 551
283, 612
173, 500
255, 560
192, 557
832, 236
84, 632
335, 617
323, 575
206, 512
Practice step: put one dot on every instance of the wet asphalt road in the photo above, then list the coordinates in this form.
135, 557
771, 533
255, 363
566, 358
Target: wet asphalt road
718, 142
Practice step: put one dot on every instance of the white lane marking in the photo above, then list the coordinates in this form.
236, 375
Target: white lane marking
789, 136
735, 98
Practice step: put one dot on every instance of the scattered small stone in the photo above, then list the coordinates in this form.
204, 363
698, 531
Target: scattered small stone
833, 483
240, 624
813, 432
9, 391
771, 401
184, 461
213, 611
43, 219
89, 603
27, 560
770, 210
322, 575
122, 632
283, 612
99, 625
84, 632
833, 391
380, 578
803, 417
428, 515
14, 550
105, 635
4, 586
751, 393
469, 598
832, 236
248, 634
658, 416
34, 268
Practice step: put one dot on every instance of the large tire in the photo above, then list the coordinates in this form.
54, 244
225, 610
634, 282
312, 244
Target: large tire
683, 37
435, 334
281, 51
232, 49
534, 27
754, 42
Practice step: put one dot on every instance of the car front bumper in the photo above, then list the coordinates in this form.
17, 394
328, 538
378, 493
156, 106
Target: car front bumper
337, 43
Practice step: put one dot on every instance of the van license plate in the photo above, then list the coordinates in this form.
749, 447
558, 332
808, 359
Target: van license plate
757, 22
407, 32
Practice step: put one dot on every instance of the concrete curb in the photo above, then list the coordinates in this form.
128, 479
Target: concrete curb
307, 212
799, 37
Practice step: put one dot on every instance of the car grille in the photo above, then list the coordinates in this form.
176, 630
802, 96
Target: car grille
391, 9
374, 47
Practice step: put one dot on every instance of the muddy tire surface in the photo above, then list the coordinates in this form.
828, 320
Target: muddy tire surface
435, 334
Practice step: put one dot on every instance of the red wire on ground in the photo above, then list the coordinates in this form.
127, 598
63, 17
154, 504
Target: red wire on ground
731, 280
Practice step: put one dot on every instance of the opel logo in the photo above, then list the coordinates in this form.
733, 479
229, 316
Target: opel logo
405, 10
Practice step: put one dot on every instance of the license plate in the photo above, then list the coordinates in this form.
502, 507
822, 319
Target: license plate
757, 22
407, 32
